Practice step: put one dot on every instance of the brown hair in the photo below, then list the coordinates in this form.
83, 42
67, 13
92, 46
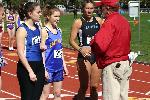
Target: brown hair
27, 7
49, 10
85, 2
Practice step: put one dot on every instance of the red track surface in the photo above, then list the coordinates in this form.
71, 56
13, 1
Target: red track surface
139, 82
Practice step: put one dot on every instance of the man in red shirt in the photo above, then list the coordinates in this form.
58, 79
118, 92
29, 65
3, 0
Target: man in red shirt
111, 45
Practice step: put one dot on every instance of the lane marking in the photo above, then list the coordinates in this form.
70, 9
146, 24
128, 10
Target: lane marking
67, 95
142, 71
76, 78
140, 81
9, 73
62, 95
148, 93
10, 60
10, 94
7, 98
137, 92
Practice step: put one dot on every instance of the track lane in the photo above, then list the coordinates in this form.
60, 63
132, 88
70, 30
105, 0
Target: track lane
10, 88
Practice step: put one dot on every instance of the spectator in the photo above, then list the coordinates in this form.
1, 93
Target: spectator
75, 12
11, 19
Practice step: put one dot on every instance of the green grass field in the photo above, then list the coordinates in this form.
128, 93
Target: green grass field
140, 42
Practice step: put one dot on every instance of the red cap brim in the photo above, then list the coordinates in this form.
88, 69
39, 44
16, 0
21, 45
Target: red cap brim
98, 3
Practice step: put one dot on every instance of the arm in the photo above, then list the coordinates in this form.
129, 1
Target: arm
103, 38
16, 21
73, 35
42, 44
64, 64
20, 39
43, 48
44, 36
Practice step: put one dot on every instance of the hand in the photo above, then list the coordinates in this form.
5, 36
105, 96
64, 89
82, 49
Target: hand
32, 76
43, 47
86, 51
46, 75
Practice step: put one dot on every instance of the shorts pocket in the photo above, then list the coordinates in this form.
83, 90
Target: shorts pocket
121, 71
118, 71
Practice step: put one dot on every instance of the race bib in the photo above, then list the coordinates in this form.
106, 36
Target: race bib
89, 40
57, 53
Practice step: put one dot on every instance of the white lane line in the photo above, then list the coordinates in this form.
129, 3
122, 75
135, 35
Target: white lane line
10, 60
130, 79
140, 81
66, 95
136, 92
62, 95
73, 77
10, 94
9, 73
76, 78
69, 91
142, 71
7, 98
148, 93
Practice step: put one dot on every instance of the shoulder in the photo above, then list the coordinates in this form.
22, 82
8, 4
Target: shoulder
21, 31
44, 30
77, 23
21, 28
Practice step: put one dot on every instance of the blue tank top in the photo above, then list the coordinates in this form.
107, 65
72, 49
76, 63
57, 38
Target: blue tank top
53, 53
32, 44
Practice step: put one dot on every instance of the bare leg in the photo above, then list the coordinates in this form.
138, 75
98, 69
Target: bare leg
84, 71
57, 90
0, 83
45, 92
94, 82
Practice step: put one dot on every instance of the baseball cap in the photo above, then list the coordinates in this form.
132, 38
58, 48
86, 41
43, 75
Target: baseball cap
112, 3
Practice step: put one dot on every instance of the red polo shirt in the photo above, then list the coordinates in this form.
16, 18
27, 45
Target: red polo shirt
112, 42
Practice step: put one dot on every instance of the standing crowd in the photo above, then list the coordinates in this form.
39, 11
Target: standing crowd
103, 47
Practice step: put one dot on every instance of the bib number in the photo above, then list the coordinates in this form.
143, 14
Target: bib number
89, 40
57, 53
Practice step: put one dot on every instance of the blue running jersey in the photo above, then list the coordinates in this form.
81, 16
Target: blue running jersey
32, 44
53, 53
